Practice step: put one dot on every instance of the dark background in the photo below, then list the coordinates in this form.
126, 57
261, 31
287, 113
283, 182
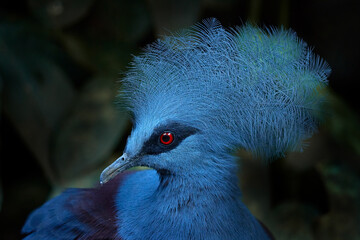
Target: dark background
59, 65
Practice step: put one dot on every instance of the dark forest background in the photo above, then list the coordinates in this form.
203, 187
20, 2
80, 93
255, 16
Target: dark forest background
59, 127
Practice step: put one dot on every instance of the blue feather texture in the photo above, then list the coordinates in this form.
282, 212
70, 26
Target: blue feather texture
213, 90
245, 87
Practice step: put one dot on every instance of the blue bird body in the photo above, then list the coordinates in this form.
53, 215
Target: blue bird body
195, 97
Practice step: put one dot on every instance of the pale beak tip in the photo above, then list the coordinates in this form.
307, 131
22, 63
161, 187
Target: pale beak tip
102, 180
111, 171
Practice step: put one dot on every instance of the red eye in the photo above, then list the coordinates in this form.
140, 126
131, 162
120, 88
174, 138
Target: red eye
166, 138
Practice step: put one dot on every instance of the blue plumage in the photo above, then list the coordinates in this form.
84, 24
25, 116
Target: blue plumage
196, 97
247, 87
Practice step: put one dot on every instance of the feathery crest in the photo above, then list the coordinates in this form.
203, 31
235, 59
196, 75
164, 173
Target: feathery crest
244, 87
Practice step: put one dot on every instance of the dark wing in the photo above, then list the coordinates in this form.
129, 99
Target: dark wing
77, 214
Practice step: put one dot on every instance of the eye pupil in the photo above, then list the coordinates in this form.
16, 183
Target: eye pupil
166, 138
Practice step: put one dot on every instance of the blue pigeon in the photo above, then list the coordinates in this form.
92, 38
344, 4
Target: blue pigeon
195, 97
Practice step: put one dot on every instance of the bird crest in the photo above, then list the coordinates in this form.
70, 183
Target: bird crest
243, 88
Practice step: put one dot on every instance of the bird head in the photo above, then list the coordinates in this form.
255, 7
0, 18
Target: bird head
206, 91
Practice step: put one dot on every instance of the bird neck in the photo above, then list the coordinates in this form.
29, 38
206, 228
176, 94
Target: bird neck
212, 184
197, 205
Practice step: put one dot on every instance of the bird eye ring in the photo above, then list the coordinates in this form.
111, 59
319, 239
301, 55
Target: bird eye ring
166, 138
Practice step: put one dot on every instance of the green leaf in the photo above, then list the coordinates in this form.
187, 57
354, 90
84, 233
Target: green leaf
89, 135
37, 92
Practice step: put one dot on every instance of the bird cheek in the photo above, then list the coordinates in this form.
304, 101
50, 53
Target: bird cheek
153, 161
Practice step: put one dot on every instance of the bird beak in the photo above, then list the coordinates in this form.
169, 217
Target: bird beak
121, 164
